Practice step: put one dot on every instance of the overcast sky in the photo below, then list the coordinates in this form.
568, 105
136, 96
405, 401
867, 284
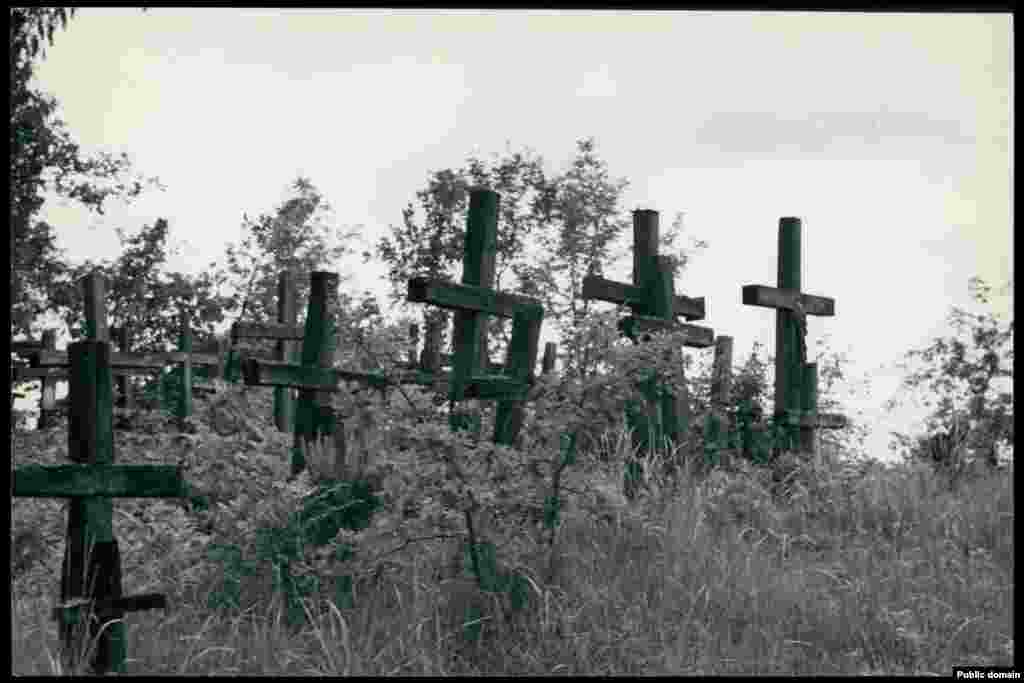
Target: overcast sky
889, 135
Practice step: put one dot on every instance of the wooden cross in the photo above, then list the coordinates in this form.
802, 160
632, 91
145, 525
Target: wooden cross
472, 301
91, 572
314, 377
285, 333
49, 365
795, 379
654, 304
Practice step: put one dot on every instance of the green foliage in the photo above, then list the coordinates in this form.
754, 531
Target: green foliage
430, 242
552, 231
335, 506
963, 378
144, 299
297, 237
45, 158
331, 507
235, 568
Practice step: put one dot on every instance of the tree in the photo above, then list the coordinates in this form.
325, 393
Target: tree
581, 213
431, 244
582, 219
298, 237
959, 377
142, 297
44, 157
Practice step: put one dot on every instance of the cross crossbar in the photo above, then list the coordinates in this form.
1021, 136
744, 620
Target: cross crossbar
693, 335
457, 297
277, 331
597, 287
773, 297
107, 480
128, 360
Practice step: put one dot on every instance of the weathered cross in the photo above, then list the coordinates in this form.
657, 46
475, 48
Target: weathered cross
91, 572
49, 364
796, 387
314, 376
471, 301
316, 379
654, 304
286, 333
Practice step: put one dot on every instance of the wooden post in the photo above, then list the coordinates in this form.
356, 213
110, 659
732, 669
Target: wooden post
91, 440
721, 382
469, 329
792, 307
430, 359
125, 399
315, 414
223, 346
548, 364
809, 406
414, 340
287, 314
185, 346
717, 426
48, 400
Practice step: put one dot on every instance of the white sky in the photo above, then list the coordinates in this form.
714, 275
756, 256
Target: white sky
889, 135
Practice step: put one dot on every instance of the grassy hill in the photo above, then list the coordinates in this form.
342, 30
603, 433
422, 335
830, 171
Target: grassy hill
839, 568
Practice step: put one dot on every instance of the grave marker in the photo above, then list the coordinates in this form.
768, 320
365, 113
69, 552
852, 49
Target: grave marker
472, 301
654, 305
285, 332
795, 379
91, 571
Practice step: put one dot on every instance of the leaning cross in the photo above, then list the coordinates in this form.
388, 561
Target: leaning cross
654, 304
795, 378
472, 301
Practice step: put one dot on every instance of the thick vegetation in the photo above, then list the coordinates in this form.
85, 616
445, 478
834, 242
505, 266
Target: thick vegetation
442, 553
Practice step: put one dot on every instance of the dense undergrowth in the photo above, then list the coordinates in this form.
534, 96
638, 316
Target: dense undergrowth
455, 556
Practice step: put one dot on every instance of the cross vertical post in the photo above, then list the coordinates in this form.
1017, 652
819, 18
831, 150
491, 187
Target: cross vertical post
48, 401
315, 414
548, 364
430, 357
185, 346
414, 340
287, 314
716, 428
478, 263
792, 388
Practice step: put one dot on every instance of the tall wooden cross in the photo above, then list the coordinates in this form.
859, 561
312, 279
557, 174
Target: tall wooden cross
91, 580
795, 379
654, 304
472, 301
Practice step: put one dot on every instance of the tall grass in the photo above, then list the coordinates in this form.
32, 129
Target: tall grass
828, 569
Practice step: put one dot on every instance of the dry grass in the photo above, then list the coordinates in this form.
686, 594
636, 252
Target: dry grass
840, 570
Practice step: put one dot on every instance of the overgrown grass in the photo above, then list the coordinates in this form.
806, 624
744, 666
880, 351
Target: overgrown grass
846, 569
